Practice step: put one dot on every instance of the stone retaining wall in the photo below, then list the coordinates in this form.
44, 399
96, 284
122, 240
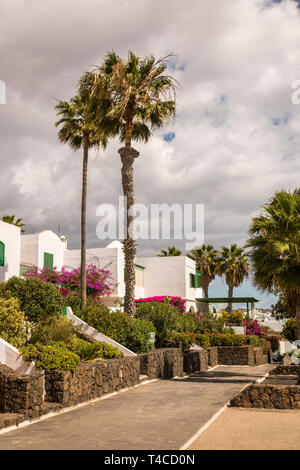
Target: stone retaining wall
259, 357
195, 361
236, 355
268, 396
21, 394
162, 363
285, 370
91, 380
213, 356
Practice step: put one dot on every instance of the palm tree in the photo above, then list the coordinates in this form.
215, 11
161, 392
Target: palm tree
171, 251
275, 249
234, 264
206, 258
135, 97
78, 130
10, 219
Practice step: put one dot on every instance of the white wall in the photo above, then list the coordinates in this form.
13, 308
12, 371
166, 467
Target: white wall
170, 275
10, 236
34, 246
49, 242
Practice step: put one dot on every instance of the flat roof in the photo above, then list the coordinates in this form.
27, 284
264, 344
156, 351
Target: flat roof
222, 300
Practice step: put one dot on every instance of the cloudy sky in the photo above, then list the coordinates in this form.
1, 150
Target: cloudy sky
236, 138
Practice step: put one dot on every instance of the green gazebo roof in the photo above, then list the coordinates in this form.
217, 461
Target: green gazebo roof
222, 300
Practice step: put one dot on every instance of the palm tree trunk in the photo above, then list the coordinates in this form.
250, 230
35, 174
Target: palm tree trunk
298, 318
127, 158
230, 294
83, 226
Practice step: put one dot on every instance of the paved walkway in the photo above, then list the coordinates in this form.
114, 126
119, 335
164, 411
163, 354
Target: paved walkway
252, 429
160, 415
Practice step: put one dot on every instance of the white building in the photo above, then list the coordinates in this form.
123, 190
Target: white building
169, 275
10, 245
155, 276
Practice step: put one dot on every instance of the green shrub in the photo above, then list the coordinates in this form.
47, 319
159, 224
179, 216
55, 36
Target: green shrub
184, 338
51, 357
289, 330
255, 341
186, 323
132, 333
38, 300
138, 336
210, 323
12, 322
162, 316
89, 351
54, 330
236, 317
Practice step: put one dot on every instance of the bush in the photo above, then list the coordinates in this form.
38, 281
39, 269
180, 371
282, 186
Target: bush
186, 323
54, 330
162, 316
289, 330
132, 333
184, 338
209, 323
38, 300
89, 351
98, 281
234, 318
138, 336
12, 322
51, 357
177, 302
252, 327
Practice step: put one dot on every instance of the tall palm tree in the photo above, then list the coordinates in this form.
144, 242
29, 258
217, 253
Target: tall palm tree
206, 258
135, 97
275, 249
171, 251
234, 263
79, 131
10, 219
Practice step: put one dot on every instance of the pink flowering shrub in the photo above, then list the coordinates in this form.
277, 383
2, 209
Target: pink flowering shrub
99, 281
252, 327
173, 301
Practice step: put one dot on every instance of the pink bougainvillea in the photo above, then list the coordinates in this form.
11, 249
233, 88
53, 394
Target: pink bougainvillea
174, 301
98, 281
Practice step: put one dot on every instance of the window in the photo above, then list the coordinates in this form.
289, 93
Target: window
2, 254
48, 260
192, 280
195, 280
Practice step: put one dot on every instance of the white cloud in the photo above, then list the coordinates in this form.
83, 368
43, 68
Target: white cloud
236, 62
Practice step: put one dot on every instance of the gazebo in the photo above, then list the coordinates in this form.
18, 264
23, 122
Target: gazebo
234, 300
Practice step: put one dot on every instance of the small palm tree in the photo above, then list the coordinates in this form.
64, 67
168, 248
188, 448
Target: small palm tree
206, 258
135, 97
171, 251
79, 131
275, 249
235, 265
10, 219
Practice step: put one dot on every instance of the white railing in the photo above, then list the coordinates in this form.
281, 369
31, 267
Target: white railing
11, 357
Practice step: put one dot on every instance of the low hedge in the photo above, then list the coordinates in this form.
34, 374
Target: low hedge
51, 357
211, 339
